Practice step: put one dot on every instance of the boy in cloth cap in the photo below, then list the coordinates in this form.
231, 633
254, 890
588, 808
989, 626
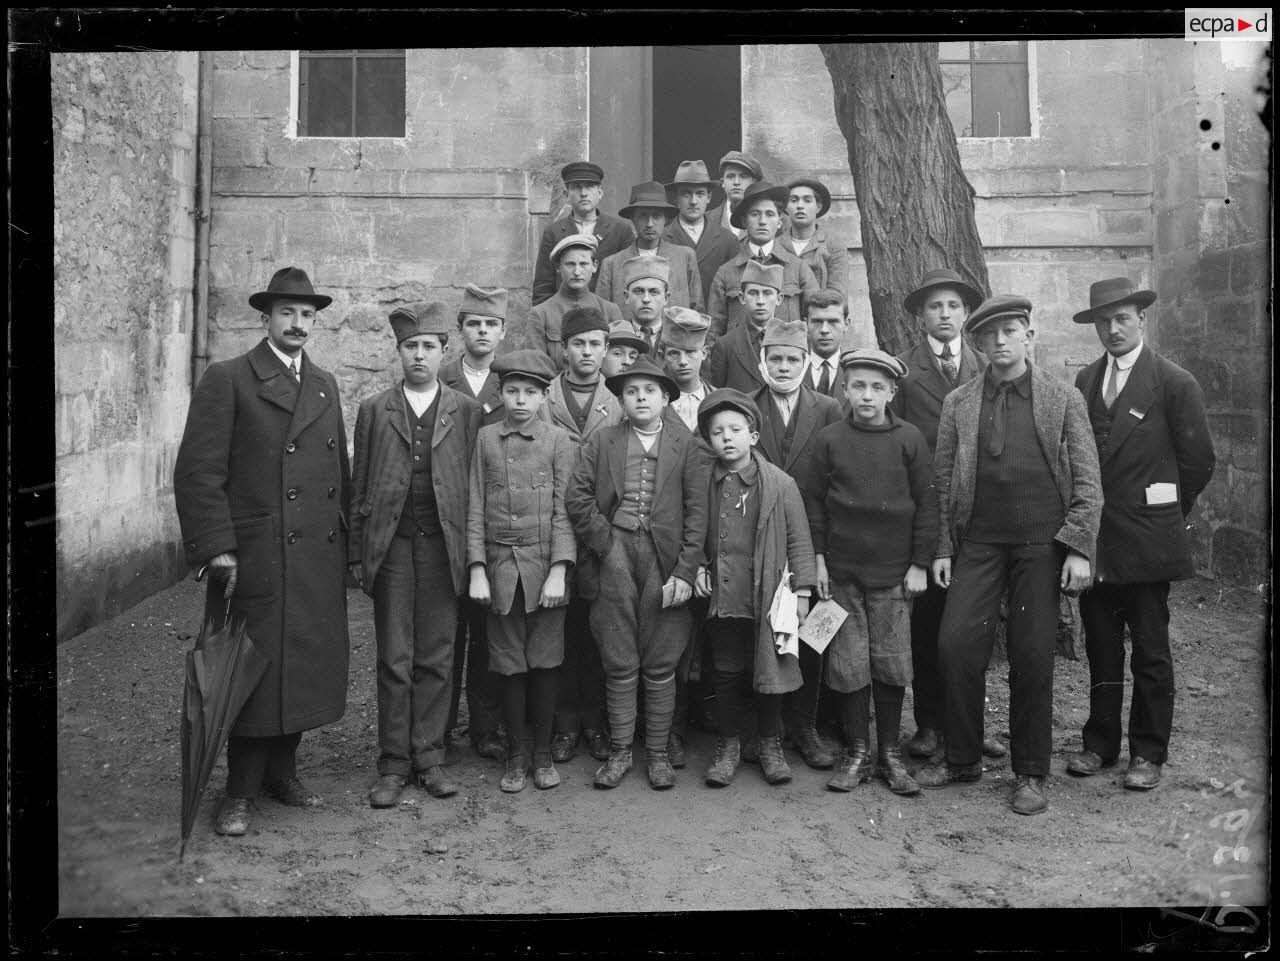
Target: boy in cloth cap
713, 243
874, 518
640, 512
649, 211
734, 360
828, 258
408, 547
684, 336
622, 348
1020, 497
574, 258
756, 528
738, 171
482, 323
583, 181
519, 548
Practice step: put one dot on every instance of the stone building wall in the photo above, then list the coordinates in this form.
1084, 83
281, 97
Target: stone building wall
124, 131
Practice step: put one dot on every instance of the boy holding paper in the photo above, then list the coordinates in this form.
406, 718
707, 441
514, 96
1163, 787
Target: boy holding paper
873, 514
756, 528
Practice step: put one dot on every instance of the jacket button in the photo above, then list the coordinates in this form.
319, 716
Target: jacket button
333, 491
333, 536
292, 537
332, 443
292, 494
290, 448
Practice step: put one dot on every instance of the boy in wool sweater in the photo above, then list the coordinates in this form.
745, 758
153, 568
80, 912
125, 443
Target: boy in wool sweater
873, 514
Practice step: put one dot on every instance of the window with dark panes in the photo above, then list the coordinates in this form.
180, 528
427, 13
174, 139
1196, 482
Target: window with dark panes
985, 82
351, 93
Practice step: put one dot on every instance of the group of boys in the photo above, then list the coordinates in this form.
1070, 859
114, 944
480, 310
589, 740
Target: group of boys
617, 501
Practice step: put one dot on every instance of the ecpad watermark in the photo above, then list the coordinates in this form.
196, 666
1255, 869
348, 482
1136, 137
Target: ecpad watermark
1228, 23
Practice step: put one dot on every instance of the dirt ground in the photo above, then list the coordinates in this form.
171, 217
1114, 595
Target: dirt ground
1200, 839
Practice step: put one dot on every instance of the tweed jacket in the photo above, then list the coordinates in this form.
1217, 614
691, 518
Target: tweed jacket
715, 245
543, 325
684, 290
733, 362
614, 234
516, 521
725, 305
826, 256
678, 522
489, 398
813, 412
1066, 438
262, 471
1159, 434
921, 393
383, 471
605, 410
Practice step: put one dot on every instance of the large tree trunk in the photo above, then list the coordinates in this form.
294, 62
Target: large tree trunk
915, 201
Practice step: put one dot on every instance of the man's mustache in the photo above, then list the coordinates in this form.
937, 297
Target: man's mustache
295, 332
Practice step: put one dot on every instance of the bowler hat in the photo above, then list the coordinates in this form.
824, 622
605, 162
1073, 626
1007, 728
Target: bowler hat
941, 277
874, 357
684, 328
288, 283
1117, 290
754, 272
998, 307
649, 194
738, 158
761, 188
579, 320
486, 303
691, 173
643, 367
533, 364
726, 398
582, 170
428, 317
623, 333
786, 333
590, 241
640, 268
819, 189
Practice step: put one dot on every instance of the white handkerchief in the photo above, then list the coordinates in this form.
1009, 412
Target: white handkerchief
821, 625
1162, 494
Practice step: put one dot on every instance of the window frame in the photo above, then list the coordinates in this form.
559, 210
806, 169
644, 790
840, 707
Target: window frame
1033, 112
295, 88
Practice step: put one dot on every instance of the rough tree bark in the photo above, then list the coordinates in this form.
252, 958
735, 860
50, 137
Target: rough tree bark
915, 202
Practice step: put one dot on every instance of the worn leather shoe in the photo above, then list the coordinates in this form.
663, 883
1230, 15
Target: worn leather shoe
1087, 763
563, 746
489, 744
993, 748
291, 791
233, 816
809, 744
940, 775
853, 768
545, 777
1028, 794
773, 762
661, 774
611, 772
517, 769
1142, 775
725, 762
895, 773
675, 750
597, 743
436, 782
924, 743
386, 792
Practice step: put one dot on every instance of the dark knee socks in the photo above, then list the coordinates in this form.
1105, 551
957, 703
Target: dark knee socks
855, 714
768, 714
542, 709
888, 700
514, 701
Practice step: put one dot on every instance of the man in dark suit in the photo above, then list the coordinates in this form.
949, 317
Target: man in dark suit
584, 182
1156, 456
826, 313
712, 242
261, 484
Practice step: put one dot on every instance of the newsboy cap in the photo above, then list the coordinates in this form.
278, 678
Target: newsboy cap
623, 333
757, 191
757, 273
486, 303
589, 241
726, 398
647, 369
427, 317
941, 277
786, 333
582, 170
819, 190
874, 357
643, 268
579, 320
998, 307
288, 283
739, 159
684, 328
1117, 290
533, 364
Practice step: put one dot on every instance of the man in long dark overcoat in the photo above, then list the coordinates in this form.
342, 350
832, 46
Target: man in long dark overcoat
261, 484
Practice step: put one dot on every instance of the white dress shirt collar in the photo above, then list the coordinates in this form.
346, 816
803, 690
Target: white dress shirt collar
421, 400
285, 358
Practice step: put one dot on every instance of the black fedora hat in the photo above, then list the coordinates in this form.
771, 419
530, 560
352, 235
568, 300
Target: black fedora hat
761, 188
819, 189
1117, 290
288, 283
643, 367
648, 194
941, 277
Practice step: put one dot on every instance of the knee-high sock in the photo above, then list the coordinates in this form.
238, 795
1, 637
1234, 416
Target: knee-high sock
855, 713
769, 714
888, 698
542, 708
514, 687
620, 697
659, 708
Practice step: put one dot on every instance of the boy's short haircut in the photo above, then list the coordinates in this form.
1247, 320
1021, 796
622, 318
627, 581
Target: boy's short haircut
823, 298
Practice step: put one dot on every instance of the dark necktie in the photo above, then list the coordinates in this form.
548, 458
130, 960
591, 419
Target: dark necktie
1109, 395
293, 369
995, 440
824, 382
759, 257
648, 338
949, 363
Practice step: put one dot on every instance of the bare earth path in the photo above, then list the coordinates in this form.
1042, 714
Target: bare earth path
575, 849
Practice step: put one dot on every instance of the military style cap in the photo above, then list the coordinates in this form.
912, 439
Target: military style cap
757, 273
726, 398
582, 170
486, 303
1117, 290
589, 241
684, 328
649, 194
288, 283
647, 369
874, 357
998, 307
691, 173
739, 159
819, 189
624, 333
786, 333
533, 364
579, 320
642, 268
427, 317
759, 189
941, 277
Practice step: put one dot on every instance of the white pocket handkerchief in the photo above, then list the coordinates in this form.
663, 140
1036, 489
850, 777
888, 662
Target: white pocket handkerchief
1162, 494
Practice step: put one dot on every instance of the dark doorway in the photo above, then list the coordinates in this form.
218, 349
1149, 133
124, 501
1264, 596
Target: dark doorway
697, 107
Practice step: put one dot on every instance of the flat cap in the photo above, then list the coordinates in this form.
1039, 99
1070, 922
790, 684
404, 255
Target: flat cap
579, 320
486, 303
786, 333
623, 333
589, 241
726, 398
757, 273
582, 170
533, 364
644, 268
998, 307
874, 357
427, 317
684, 328
645, 368
738, 158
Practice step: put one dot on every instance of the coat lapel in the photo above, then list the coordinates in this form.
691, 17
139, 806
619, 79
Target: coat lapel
929, 376
1048, 409
558, 409
277, 387
1138, 394
313, 398
742, 352
447, 409
668, 460
397, 414
806, 420
617, 454
599, 412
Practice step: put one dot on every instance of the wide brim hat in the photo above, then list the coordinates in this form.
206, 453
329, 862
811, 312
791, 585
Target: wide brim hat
873, 357
643, 367
424, 317
690, 173
651, 195
942, 277
761, 188
288, 283
623, 333
533, 364
819, 188
998, 307
1117, 290
726, 398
